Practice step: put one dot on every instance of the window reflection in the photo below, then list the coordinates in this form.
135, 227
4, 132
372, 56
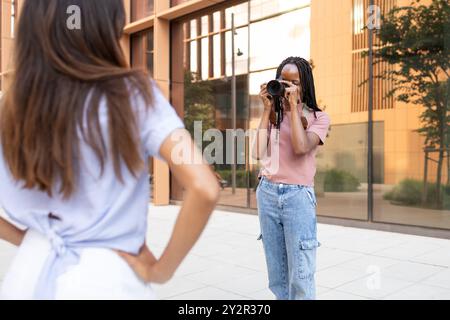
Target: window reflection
280, 28
205, 25
240, 15
341, 178
193, 25
142, 50
269, 45
241, 51
205, 58
217, 16
141, 9
358, 16
193, 55
264, 8
217, 56
213, 77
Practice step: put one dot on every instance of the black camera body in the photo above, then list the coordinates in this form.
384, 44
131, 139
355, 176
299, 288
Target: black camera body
276, 88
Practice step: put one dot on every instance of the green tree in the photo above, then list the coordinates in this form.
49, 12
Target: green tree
199, 103
415, 41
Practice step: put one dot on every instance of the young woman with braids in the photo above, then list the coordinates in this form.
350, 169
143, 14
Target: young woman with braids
285, 194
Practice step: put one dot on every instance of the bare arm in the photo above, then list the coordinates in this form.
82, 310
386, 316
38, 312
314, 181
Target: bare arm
259, 146
10, 233
302, 141
201, 196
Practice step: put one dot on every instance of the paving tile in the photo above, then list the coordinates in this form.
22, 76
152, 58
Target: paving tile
411, 271
408, 250
328, 257
264, 294
440, 279
374, 287
245, 285
368, 262
220, 273
339, 295
209, 293
175, 287
229, 263
420, 292
337, 276
437, 258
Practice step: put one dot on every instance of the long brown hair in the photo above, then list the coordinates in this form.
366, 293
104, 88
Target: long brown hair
56, 69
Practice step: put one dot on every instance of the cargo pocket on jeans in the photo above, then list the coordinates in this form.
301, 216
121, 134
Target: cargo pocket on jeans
307, 257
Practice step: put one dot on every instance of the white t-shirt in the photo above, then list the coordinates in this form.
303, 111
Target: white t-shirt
102, 212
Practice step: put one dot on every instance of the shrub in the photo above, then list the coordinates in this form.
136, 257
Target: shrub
241, 177
409, 192
340, 181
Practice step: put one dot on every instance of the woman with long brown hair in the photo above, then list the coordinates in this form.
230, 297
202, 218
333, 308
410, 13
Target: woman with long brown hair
77, 126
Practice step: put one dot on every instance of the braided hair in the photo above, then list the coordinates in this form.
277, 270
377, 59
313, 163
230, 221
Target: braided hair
306, 78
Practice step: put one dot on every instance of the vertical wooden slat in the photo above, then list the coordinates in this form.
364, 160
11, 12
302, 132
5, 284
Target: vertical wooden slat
187, 46
357, 89
222, 43
361, 79
353, 85
381, 94
364, 66
199, 47
378, 88
359, 72
211, 46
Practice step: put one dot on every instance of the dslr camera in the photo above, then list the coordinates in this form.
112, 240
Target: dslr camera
276, 88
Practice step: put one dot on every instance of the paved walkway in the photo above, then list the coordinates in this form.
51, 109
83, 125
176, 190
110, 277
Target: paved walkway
228, 262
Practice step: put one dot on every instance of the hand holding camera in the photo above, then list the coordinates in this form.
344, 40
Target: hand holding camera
266, 98
291, 93
274, 95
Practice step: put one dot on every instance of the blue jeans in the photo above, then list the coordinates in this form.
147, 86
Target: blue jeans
287, 215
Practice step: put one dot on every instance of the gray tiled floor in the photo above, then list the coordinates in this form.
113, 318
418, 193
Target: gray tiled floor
228, 262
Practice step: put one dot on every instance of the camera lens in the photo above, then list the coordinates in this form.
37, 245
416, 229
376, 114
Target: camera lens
275, 88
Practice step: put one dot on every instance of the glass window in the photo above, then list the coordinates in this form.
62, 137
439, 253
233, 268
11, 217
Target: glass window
241, 51
217, 56
13, 17
205, 58
217, 17
264, 8
150, 52
240, 15
174, 3
341, 177
194, 32
358, 16
194, 67
411, 178
205, 25
141, 9
142, 50
150, 45
269, 45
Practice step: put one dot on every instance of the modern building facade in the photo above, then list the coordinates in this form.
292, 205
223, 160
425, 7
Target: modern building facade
187, 46
8, 14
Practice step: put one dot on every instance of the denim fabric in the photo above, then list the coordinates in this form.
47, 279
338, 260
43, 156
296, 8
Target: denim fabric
287, 215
